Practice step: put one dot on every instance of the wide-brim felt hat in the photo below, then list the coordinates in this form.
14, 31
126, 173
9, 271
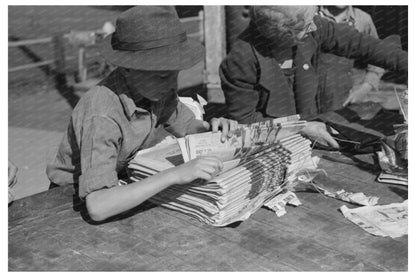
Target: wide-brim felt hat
151, 38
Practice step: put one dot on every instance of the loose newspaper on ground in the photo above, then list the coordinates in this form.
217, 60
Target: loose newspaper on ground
387, 220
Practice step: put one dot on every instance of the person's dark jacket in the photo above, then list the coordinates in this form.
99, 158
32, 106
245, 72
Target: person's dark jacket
256, 88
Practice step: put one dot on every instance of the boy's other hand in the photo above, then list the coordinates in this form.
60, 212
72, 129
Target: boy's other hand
316, 131
227, 127
358, 94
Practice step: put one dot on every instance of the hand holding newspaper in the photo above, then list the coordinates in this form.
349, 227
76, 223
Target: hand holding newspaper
259, 162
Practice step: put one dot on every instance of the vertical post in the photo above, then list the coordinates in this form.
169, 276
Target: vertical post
201, 26
214, 38
59, 53
61, 83
82, 69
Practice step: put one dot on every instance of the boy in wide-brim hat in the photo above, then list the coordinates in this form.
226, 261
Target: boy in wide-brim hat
133, 108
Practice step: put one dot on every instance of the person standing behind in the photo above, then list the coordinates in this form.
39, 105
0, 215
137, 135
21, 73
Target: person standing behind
339, 82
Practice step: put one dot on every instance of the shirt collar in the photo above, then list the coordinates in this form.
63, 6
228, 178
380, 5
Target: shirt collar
349, 14
115, 82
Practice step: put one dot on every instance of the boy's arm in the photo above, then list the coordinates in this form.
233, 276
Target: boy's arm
105, 203
347, 42
98, 183
99, 148
374, 73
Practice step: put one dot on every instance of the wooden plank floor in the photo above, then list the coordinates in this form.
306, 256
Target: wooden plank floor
50, 231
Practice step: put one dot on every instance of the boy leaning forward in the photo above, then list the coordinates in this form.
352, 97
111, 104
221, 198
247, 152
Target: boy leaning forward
135, 107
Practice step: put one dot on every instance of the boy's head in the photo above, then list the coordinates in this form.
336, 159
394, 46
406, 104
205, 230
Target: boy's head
151, 38
153, 85
285, 25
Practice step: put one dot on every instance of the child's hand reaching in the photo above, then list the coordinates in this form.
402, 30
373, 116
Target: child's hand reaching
200, 168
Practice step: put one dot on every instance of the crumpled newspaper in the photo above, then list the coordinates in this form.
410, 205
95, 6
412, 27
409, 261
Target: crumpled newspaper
351, 197
278, 203
197, 107
307, 177
386, 220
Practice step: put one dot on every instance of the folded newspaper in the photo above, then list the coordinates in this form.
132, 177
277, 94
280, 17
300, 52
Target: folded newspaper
260, 161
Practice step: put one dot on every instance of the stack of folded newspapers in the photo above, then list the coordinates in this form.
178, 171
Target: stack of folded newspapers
260, 160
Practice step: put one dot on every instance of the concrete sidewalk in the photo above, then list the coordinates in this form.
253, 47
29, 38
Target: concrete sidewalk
37, 120
30, 150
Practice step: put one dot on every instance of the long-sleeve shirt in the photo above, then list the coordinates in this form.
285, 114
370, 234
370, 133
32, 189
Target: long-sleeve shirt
106, 130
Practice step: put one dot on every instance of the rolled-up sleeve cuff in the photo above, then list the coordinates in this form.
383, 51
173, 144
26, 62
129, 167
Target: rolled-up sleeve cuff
95, 179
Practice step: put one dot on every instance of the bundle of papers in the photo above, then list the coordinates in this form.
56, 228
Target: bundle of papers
260, 160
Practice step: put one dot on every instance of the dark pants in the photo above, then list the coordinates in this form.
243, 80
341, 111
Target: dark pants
53, 185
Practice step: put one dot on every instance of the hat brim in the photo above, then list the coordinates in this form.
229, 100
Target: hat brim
173, 57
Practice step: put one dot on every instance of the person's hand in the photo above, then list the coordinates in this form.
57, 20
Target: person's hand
205, 167
227, 127
316, 131
12, 174
358, 94
198, 126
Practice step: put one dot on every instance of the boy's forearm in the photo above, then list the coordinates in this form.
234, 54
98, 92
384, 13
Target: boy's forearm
105, 203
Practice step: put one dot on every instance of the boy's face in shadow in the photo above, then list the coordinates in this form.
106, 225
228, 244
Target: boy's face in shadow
153, 85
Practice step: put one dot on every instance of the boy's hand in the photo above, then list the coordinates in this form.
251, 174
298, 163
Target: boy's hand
200, 168
316, 131
358, 94
227, 127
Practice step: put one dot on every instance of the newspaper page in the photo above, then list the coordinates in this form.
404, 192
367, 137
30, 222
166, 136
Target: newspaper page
278, 203
385, 221
209, 144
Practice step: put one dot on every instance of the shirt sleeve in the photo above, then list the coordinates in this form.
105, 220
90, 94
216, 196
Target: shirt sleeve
347, 42
374, 73
99, 147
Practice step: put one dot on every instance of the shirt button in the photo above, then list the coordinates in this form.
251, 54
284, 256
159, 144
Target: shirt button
306, 66
350, 23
